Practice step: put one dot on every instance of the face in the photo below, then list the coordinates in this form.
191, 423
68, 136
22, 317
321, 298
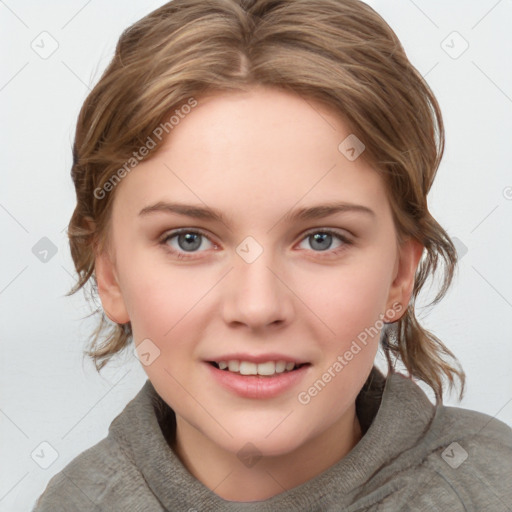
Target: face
261, 284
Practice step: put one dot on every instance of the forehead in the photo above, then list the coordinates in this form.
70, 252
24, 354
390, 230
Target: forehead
260, 151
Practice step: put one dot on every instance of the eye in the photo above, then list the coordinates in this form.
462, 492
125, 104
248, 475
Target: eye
321, 241
187, 241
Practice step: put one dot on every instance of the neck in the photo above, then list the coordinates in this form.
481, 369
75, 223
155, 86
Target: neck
225, 474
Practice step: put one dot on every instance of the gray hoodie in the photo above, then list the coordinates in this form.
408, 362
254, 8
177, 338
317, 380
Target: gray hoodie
413, 456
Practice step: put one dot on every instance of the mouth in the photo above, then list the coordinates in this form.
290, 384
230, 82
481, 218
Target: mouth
260, 378
264, 369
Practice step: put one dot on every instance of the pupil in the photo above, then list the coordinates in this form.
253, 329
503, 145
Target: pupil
192, 241
321, 237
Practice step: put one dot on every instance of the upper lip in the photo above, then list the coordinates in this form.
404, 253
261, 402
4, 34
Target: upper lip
258, 358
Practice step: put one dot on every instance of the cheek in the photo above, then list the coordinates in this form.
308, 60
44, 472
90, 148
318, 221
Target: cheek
348, 299
152, 295
156, 312
164, 303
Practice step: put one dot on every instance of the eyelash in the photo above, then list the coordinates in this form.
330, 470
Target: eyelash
183, 255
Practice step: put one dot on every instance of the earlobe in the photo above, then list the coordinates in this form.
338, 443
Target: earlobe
109, 289
404, 274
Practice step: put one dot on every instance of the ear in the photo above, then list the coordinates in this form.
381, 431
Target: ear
109, 290
407, 261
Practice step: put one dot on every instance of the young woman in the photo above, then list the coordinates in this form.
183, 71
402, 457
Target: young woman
252, 181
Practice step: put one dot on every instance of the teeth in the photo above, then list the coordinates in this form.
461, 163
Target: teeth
234, 366
247, 368
280, 366
268, 368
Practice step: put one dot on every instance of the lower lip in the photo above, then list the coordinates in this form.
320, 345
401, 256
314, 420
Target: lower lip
257, 386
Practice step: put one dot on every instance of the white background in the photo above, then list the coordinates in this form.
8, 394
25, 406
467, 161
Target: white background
48, 393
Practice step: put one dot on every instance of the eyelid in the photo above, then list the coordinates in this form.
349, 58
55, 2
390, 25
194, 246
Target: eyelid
323, 229
178, 231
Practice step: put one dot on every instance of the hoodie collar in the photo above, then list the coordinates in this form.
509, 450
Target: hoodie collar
401, 419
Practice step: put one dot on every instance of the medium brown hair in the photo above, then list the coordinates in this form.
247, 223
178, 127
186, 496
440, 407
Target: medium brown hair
337, 52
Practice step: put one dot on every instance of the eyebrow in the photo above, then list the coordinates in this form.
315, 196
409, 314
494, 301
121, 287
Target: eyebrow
205, 213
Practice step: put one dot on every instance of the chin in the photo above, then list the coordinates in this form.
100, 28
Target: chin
261, 443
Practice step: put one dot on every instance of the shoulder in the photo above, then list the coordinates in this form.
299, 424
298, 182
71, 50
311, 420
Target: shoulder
435, 457
100, 478
468, 455
488, 439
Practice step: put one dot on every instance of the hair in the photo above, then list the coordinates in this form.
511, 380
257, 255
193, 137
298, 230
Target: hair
340, 53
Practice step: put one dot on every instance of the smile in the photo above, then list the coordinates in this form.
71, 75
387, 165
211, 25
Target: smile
267, 368
260, 380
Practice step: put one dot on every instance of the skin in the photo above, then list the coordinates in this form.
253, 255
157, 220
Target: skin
255, 156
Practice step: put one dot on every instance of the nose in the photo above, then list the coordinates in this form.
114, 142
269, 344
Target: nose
258, 294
